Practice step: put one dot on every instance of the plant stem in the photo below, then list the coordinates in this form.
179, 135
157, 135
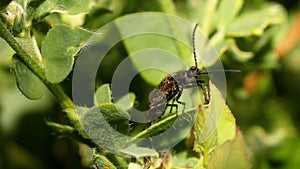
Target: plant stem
65, 130
37, 68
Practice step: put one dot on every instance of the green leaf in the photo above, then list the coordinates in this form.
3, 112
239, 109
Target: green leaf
157, 44
163, 45
230, 44
134, 165
14, 16
107, 126
103, 95
28, 83
240, 55
227, 11
155, 129
222, 47
31, 47
126, 102
102, 162
71, 7
138, 152
197, 10
60, 46
107, 11
29, 3
209, 17
214, 124
167, 6
183, 159
232, 154
143, 54
165, 124
256, 21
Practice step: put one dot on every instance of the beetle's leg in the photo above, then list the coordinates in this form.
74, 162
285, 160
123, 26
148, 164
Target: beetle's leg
180, 102
206, 92
173, 105
204, 87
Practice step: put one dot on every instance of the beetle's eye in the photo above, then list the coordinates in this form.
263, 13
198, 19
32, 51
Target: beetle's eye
193, 68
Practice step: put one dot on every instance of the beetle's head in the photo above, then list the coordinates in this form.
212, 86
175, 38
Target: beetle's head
194, 72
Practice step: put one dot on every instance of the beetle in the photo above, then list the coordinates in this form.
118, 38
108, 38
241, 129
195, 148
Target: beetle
172, 86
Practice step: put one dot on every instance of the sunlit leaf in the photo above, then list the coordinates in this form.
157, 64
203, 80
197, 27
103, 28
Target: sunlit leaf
214, 124
60, 46
127, 101
134, 166
103, 95
184, 160
231, 154
256, 21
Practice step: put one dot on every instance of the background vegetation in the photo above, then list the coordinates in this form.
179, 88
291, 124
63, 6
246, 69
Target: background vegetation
263, 97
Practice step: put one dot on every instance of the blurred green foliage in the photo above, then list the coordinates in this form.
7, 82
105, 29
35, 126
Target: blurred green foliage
264, 97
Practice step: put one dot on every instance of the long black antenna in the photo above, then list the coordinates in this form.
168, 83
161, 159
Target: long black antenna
195, 57
221, 70
194, 48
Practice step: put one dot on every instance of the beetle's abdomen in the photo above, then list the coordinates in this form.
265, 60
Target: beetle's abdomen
169, 87
159, 98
